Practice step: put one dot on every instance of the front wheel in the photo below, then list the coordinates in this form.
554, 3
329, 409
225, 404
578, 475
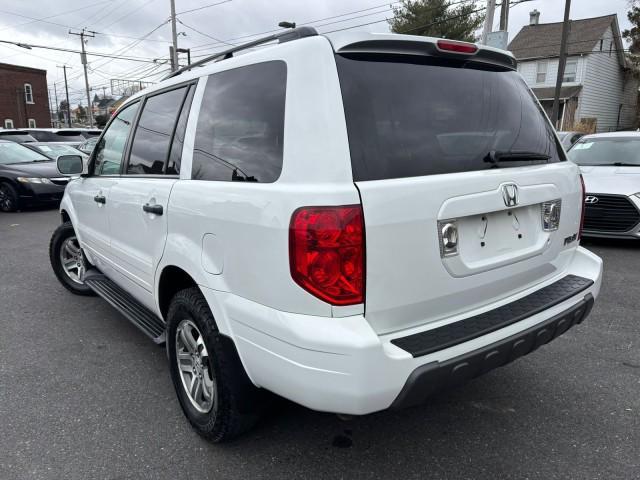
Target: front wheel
67, 259
8, 198
213, 388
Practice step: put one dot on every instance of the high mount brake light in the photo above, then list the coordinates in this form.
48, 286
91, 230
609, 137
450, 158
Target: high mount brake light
457, 47
327, 252
584, 197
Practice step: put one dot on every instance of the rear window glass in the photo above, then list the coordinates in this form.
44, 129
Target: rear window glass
17, 137
240, 129
414, 116
61, 136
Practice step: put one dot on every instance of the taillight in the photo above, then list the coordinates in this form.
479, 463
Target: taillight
327, 252
584, 197
457, 47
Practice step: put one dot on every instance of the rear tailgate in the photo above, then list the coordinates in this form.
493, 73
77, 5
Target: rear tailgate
424, 135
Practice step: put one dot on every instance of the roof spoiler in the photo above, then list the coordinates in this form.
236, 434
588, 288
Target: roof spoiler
427, 47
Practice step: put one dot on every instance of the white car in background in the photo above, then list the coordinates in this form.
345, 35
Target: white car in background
610, 165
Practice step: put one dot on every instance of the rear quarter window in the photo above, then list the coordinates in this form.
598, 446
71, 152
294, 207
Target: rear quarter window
240, 131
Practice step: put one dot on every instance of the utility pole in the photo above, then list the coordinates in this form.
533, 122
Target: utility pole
83, 57
55, 92
104, 92
66, 88
566, 26
488, 20
50, 107
174, 37
504, 16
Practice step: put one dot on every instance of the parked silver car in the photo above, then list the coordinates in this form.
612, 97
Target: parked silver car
610, 165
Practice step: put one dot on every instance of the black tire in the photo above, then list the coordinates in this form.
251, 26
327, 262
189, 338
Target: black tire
9, 200
239, 402
63, 233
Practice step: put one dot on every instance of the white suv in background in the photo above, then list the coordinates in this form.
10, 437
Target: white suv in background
350, 222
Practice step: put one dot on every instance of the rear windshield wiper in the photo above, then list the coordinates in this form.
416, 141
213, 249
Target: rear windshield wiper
495, 156
622, 164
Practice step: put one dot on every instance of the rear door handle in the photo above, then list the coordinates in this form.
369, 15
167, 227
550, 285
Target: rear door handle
100, 199
155, 209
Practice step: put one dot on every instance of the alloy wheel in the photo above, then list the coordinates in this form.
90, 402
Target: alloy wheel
72, 259
194, 367
6, 202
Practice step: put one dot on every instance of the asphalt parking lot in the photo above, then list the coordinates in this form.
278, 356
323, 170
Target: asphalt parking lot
84, 394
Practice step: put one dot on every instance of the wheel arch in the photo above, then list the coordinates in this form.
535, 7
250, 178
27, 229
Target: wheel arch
172, 280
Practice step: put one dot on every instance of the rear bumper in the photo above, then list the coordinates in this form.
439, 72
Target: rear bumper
431, 377
341, 365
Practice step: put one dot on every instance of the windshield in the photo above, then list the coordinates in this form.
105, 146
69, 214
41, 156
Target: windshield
53, 150
606, 151
14, 153
418, 116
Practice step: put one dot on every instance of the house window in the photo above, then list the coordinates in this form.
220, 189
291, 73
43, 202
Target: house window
32, 123
570, 70
601, 42
610, 47
28, 93
541, 72
8, 123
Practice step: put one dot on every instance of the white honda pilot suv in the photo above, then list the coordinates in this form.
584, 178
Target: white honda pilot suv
351, 222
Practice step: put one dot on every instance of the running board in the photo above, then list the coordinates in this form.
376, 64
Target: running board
138, 314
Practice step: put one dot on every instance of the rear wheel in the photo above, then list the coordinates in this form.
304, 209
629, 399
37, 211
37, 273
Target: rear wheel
8, 198
67, 259
213, 388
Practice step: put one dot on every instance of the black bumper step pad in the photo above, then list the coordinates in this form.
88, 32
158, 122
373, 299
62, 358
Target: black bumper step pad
462, 331
435, 376
136, 313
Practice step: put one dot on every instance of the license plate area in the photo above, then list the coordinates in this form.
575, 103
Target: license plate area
500, 233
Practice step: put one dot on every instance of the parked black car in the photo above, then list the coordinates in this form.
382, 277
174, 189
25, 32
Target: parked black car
27, 178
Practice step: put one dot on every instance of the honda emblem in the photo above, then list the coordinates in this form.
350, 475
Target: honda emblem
510, 194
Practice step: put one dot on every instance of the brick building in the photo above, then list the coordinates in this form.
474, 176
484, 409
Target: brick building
24, 99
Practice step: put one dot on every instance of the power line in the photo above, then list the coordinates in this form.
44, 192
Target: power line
205, 34
203, 7
44, 19
307, 22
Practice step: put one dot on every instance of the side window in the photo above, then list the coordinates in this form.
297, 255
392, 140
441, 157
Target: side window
110, 149
240, 129
175, 156
150, 146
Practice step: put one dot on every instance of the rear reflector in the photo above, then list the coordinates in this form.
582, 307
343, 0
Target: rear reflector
457, 47
326, 252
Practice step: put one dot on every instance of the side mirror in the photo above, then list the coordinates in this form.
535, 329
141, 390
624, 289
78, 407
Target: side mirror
70, 165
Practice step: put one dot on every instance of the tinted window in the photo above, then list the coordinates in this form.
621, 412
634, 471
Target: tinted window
241, 125
17, 137
151, 141
175, 157
424, 116
109, 150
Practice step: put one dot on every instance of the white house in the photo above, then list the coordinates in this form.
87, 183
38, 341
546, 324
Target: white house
598, 85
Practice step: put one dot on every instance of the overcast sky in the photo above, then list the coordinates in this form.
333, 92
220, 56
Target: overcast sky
121, 22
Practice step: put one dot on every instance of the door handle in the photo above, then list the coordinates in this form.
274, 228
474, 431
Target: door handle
155, 209
100, 199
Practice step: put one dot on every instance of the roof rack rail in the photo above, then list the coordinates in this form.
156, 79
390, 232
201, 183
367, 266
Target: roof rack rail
282, 37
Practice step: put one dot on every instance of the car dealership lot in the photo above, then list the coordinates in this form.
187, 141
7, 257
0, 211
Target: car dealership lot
84, 394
